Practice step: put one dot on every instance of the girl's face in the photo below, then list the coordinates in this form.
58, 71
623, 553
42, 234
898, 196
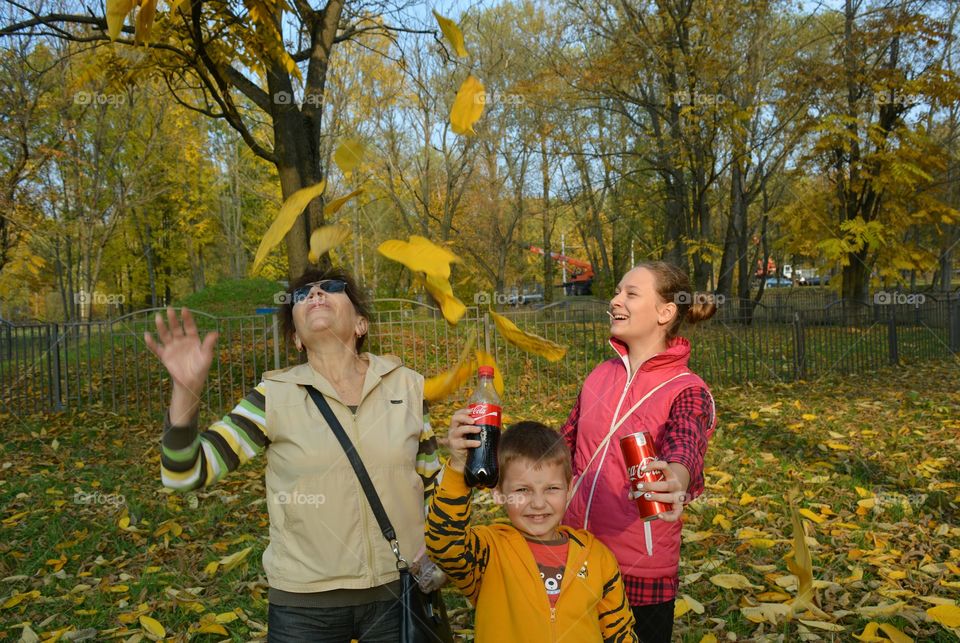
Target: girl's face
638, 312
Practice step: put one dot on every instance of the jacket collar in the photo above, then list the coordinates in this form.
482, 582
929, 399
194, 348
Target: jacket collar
304, 375
580, 542
677, 354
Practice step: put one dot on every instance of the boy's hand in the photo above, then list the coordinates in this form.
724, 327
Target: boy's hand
458, 439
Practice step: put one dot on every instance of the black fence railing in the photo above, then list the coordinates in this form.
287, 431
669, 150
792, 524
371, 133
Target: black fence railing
56, 366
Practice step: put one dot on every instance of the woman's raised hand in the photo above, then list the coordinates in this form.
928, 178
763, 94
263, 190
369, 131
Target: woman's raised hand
180, 350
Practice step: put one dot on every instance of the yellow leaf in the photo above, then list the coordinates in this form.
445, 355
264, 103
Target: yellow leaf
694, 604
420, 255
325, 238
212, 628
837, 446
881, 611
708, 638
680, 607
486, 359
226, 617
766, 613
152, 626
815, 517
721, 520
234, 559
551, 351
946, 615
863, 493
746, 499
452, 33
289, 212
801, 564
809, 416
211, 568
869, 634
117, 11
894, 634
762, 543
441, 290
334, 206
772, 597
822, 625
349, 154
118, 589
18, 598
467, 106
443, 385
124, 522
148, 11
733, 581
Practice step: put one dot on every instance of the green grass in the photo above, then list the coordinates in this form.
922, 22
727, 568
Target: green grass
888, 433
233, 297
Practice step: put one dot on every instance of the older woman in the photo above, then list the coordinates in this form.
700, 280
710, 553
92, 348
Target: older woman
332, 575
646, 387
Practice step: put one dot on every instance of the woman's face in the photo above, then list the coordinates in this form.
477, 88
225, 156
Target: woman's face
320, 312
638, 312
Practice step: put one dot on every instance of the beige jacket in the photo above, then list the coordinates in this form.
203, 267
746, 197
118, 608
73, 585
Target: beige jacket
323, 534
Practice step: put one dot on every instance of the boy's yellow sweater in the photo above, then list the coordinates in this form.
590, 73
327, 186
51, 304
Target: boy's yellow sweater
494, 567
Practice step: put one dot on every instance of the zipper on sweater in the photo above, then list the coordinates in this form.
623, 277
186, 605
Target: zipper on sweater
553, 624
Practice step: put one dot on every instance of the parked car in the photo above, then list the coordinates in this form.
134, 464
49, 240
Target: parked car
777, 282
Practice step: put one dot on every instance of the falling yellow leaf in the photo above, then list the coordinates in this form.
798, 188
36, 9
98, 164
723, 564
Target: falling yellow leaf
152, 626
467, 106
441, 386
117, 11
349, 154
452, 33
441, 290
551, 351
289, 212
486, 359
334, 206
325, 238
420, 255
946, 615
231, 561
148, 11
733, 581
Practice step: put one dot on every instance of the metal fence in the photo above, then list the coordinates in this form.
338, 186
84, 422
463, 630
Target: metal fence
105, 364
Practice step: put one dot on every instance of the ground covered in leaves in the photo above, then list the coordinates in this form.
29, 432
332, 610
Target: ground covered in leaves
93, 548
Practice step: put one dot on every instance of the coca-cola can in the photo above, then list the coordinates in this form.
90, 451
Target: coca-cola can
638, 450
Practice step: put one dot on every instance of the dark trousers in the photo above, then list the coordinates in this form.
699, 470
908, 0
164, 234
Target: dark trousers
371, 623
654, 622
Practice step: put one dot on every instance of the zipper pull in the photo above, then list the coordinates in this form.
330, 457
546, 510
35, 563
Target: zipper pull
553, 614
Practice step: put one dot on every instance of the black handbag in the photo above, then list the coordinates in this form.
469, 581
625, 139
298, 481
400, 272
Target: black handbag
423, 616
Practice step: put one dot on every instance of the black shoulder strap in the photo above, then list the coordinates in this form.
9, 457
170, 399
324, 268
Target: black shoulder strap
378, 511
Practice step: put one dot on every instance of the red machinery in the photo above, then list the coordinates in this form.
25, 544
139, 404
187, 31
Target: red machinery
580, 276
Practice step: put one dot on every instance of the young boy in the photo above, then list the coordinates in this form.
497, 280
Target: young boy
533, 580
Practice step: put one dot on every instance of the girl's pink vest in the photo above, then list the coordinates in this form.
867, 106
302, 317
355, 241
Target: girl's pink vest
600, 505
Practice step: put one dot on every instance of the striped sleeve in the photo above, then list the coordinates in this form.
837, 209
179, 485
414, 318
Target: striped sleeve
616, 616
190, 459
456, 548
428, 459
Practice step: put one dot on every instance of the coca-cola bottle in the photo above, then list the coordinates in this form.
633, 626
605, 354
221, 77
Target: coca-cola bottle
482, 469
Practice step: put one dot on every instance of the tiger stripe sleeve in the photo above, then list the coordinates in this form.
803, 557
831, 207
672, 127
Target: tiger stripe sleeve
616, 616
190, 459
456, 548
428, 459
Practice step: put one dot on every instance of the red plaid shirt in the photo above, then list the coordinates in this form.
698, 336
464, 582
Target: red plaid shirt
683, 440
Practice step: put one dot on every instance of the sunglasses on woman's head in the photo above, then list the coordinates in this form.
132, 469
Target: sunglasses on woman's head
329, 286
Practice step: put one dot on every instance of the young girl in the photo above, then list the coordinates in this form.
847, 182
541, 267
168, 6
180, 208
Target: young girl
647, 387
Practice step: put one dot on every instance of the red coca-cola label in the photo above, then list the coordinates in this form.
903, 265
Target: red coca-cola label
485, 413
637, 474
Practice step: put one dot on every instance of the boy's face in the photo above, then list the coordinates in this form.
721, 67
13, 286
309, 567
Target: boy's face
535, 495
